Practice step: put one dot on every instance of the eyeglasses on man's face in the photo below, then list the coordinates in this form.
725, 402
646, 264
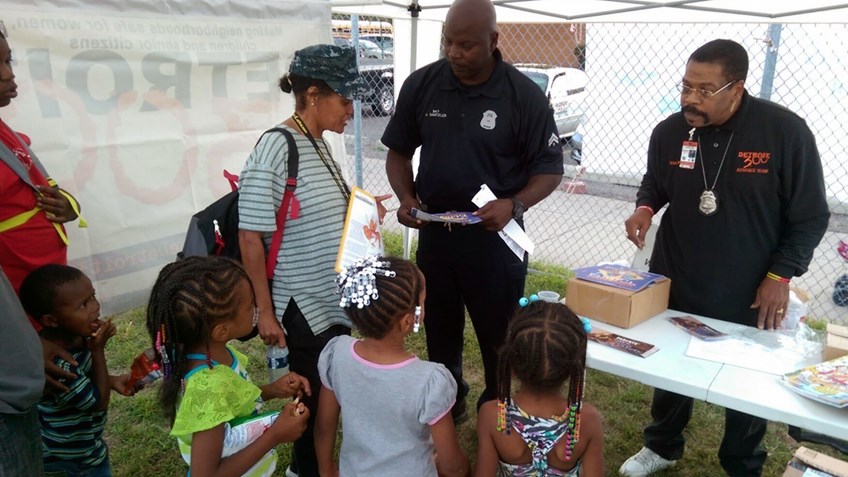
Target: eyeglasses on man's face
703, 93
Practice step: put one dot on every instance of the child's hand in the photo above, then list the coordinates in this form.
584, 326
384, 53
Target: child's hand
291, 384
291, 422
119, 384
99, 338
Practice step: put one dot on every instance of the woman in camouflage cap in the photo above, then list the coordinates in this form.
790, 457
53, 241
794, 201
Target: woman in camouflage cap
324, 80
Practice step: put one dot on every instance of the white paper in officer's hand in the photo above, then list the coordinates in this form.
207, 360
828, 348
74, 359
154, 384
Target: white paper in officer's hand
513, 235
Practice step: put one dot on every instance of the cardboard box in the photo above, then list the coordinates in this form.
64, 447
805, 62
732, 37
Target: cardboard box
807, 458
836, 343
616, 306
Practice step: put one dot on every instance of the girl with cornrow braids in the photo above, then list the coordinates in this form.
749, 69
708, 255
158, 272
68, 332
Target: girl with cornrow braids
395, 407
196, 307
540, 430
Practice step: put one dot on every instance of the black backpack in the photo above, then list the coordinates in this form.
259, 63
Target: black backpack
214, 230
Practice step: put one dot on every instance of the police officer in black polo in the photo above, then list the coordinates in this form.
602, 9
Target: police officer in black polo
743, 182
478, 121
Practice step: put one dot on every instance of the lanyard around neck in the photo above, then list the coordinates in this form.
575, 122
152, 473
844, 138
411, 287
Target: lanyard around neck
723, 156
333, 169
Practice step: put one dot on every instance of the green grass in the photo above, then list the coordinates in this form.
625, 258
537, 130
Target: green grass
139, 443
138, 435
543, 276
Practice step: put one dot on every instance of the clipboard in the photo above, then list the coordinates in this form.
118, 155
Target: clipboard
362, 235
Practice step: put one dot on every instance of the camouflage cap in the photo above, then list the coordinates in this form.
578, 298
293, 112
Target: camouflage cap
335, 65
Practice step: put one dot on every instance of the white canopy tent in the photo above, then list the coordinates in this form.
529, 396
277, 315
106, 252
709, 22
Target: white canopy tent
702, 11
428, 15
418, 22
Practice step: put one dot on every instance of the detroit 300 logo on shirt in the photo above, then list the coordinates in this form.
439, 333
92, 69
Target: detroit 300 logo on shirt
754, 162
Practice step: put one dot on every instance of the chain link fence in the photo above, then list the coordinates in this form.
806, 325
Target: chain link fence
631, 71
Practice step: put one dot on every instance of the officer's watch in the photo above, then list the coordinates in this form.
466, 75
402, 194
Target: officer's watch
517, 209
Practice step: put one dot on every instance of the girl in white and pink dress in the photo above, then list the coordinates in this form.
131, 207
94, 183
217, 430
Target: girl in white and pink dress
395, 408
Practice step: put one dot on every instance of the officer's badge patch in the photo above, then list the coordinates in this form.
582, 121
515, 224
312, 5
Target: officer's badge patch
488, 121
554, 140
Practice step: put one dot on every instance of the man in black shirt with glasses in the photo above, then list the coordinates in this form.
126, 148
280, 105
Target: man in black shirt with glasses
742, 180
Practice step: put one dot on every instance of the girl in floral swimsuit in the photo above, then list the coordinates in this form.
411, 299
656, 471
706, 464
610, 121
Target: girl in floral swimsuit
542, 429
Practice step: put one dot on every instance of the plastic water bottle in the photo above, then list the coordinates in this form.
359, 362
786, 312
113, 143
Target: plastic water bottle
278, 362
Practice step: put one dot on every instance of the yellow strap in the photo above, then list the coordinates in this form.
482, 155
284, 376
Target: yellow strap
61, 231
17, 220
24, 217
74, 204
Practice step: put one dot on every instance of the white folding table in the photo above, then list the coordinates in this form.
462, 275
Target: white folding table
669, 368
754, 392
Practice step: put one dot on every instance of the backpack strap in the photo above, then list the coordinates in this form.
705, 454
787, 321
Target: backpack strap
288, 196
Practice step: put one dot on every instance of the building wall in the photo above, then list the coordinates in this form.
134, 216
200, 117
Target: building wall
550, 43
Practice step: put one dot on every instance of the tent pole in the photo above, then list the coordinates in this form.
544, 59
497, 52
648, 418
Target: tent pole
414, 10
357, 107
770, 64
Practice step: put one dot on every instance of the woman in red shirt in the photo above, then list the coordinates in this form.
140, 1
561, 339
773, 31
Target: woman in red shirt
32, 208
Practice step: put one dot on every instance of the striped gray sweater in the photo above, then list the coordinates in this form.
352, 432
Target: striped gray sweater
306, 261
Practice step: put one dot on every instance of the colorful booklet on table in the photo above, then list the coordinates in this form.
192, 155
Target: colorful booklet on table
824, 382
698, 329
617, 276
447, 217
622, 343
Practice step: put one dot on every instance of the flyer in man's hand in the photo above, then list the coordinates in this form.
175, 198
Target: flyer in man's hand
622, 343
698, 329
447, 217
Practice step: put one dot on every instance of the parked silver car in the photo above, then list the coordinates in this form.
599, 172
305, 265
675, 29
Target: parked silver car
367, 49
566, 91
385, 42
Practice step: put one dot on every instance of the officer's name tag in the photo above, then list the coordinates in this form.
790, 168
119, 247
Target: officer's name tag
688, 154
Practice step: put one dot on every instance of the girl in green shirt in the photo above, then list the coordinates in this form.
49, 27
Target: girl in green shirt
196, 307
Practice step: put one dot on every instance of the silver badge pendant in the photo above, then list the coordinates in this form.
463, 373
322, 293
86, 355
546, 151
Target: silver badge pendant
709, 203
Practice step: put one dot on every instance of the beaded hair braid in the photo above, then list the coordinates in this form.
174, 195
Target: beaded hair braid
189, 298
545, 346
377, 291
